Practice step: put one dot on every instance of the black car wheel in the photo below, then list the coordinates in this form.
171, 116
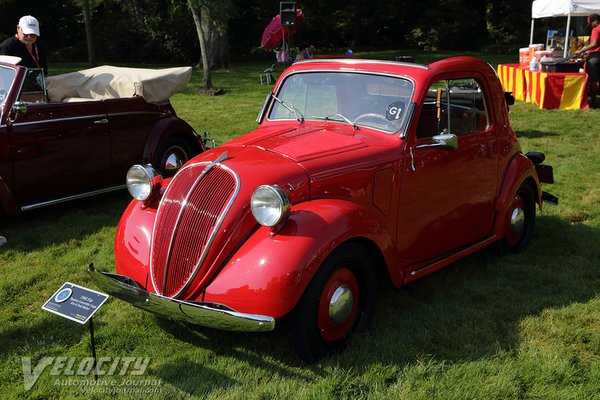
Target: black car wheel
337, 304
521, 221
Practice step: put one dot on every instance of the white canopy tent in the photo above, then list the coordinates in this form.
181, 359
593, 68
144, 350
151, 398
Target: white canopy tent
562, 8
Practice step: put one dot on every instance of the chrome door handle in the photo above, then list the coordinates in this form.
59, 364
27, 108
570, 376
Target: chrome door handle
101, 121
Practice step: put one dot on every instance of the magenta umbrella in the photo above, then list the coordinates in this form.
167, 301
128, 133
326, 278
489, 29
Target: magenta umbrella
274, 33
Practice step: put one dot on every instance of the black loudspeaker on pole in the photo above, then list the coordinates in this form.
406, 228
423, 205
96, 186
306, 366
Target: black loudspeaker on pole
287, 13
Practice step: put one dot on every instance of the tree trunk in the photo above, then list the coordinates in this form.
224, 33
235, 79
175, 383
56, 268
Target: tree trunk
224, 58
206, 79
89, 35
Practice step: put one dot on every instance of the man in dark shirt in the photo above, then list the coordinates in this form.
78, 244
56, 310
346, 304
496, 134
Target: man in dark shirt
24, 44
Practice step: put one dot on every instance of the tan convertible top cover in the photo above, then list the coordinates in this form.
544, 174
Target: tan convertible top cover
108, 82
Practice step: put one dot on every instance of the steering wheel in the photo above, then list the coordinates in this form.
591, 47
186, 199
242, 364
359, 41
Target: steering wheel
372, 115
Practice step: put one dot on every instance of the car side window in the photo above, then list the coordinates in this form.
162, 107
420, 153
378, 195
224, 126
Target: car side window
34, 87
453, 106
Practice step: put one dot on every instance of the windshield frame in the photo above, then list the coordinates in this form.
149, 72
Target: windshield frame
401, 124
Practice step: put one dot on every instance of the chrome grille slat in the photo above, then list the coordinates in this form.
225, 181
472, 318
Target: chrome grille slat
184, 230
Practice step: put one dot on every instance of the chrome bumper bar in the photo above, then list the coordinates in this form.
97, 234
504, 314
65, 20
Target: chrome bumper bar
212, 315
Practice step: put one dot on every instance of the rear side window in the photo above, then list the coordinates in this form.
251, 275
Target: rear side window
453, 106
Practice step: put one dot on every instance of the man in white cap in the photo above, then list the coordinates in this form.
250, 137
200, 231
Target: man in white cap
24, 44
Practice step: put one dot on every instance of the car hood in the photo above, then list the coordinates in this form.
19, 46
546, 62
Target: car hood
304, 143
207, 203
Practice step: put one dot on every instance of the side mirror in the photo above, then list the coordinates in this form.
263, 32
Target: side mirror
19, 108
445, 140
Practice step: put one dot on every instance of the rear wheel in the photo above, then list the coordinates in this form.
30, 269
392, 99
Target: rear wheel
337, 304
173, 153
521, 221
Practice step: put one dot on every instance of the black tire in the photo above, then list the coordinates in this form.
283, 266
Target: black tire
319, 327
173, 153
521, 221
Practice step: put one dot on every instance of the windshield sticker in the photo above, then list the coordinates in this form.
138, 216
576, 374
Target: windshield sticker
395, 110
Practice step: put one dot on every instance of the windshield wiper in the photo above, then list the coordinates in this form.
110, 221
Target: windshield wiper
290, 108
339, 116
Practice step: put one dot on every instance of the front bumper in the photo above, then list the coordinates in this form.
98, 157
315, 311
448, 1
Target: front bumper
212, 315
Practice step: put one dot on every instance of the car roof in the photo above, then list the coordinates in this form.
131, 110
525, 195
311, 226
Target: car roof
464, 63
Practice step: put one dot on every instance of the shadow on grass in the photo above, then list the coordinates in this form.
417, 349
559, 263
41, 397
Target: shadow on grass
470, 310
60, 223
473, 309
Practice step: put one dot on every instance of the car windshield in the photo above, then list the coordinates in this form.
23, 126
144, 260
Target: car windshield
358, 99
7, 76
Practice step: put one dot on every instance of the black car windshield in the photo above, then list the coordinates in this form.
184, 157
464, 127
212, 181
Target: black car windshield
358, 99
7, 76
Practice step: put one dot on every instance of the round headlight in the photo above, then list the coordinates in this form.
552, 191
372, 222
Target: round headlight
269, 205
143, 181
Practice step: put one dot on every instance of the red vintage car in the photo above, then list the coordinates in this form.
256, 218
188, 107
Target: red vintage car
358, 170
75, 135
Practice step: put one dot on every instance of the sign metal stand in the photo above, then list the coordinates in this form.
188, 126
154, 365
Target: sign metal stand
77, 304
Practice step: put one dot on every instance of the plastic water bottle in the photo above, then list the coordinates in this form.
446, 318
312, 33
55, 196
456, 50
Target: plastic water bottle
533, 64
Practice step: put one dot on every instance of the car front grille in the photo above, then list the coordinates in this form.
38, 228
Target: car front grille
189, 215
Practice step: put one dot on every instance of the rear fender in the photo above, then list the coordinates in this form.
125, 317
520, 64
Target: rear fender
269, 272
520, 170
166, 128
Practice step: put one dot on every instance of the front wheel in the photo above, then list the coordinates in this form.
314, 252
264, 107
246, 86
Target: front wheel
521, 221
338, 303
173, 153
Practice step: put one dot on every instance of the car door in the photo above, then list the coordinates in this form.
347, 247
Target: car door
59, 149
130, 121
447, 196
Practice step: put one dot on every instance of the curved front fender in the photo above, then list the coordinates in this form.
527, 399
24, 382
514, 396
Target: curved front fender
269, 273
520, 170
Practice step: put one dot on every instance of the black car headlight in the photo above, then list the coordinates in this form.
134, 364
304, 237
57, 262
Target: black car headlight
269, 205
143, 182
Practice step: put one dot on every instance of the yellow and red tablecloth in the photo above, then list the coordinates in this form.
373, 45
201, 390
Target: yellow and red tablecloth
565, 90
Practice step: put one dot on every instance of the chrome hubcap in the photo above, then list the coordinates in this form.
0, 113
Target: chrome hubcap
173, 162
341, 305
517, 220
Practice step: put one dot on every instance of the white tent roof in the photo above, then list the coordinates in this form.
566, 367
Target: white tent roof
564, 8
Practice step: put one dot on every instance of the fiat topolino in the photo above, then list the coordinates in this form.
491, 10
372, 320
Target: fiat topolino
358, 169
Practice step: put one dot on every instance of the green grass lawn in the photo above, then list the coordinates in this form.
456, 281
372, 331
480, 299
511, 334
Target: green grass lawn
487, 327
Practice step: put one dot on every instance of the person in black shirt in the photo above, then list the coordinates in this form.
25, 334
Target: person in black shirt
24, 44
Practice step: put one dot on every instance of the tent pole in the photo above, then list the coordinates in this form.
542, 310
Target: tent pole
567, 41
531, 36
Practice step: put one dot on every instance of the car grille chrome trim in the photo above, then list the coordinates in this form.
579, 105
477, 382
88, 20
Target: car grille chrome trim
184, 230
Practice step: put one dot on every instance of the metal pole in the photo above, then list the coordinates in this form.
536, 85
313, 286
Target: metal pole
93, 349
567, 36
531, 35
